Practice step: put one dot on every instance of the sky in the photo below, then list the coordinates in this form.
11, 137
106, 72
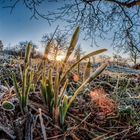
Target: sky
18, 27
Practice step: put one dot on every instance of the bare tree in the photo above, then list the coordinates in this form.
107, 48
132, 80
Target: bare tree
119, 60
1, 46
57, 43
105, 58
78, 53
134, 54
114, 19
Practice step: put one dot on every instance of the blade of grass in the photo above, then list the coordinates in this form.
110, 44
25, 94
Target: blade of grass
63, 91
87, 70
16, 87
56, 88
84, 57
72, 44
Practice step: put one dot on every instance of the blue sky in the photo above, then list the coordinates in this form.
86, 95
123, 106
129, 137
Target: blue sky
18, 27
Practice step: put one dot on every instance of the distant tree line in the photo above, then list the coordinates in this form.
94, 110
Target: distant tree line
19, 49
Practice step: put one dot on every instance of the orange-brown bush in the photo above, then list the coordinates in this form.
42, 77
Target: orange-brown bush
106, 105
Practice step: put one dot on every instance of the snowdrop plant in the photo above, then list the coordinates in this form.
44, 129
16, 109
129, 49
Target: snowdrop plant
23, 90
53, 88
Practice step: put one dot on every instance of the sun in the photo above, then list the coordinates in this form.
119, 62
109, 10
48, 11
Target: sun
59, 57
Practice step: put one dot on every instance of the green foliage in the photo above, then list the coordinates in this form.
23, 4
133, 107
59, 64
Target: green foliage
87, 70
125, 112
22, 91
67, 104
72, 44
53, 88
83, 58
47, 50
47, 91
9, 106
77, 54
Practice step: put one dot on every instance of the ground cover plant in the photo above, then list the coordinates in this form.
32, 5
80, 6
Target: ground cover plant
63, 100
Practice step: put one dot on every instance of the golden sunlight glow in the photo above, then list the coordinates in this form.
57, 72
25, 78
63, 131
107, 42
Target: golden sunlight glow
60, 57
